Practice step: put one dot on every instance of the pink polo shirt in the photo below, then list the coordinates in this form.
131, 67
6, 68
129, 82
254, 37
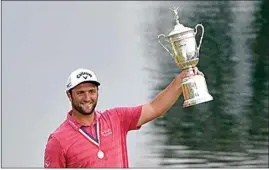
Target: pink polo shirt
68, 148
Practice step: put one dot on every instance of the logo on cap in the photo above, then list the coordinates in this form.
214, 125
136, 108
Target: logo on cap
84, 75
69, 85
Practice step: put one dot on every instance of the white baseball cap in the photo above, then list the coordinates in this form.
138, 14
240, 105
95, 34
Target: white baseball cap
79, 76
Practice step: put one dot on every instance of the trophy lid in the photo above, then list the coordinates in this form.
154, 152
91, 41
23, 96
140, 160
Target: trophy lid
179, 28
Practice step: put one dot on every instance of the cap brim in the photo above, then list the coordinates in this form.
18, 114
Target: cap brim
94, 82
89, 81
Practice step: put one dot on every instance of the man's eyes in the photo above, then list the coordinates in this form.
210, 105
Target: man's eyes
90, 91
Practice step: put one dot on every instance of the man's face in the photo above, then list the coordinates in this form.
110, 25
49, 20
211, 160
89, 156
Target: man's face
84, 97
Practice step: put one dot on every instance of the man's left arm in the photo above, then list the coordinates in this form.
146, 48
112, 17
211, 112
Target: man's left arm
165, 99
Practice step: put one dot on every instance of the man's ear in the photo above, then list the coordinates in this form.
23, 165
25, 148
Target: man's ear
68, 93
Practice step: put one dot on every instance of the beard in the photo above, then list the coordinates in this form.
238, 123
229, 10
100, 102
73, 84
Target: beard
81, 110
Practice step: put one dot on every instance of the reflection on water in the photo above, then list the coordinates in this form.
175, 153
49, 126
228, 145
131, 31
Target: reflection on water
232, 130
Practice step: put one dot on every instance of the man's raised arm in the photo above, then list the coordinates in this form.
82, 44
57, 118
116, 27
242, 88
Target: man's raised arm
165, 99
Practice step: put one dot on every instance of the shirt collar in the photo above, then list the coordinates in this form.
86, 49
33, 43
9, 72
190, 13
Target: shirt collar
76, 124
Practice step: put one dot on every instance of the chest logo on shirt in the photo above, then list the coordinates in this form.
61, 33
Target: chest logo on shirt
106, 132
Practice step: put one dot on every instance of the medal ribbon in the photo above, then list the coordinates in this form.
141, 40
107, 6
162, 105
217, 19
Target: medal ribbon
91, 138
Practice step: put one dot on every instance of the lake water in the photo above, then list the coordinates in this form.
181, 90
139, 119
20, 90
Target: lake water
42, 42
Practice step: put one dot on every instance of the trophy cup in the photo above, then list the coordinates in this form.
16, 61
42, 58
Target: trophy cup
186, 55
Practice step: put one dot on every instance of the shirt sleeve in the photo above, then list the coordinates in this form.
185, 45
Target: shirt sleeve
54, 155
129, 117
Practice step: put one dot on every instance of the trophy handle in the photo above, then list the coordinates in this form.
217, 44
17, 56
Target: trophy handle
162, 35
201, 35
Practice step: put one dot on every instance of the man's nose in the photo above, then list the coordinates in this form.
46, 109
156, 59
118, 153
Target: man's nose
87, 97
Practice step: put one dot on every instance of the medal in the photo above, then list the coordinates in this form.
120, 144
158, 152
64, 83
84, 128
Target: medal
100, 154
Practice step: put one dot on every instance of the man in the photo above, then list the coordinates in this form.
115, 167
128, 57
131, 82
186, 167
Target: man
91, 139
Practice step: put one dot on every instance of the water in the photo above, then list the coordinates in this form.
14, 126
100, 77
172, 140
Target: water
118, 40
232, 130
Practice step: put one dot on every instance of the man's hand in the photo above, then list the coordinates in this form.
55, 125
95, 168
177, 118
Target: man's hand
187, 73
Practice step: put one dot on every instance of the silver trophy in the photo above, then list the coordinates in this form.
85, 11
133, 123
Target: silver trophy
186, 55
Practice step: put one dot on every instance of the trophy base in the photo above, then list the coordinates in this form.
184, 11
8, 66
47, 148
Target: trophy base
197, 100
195, 91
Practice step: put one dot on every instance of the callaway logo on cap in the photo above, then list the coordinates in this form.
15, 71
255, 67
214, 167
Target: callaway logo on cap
79, 76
